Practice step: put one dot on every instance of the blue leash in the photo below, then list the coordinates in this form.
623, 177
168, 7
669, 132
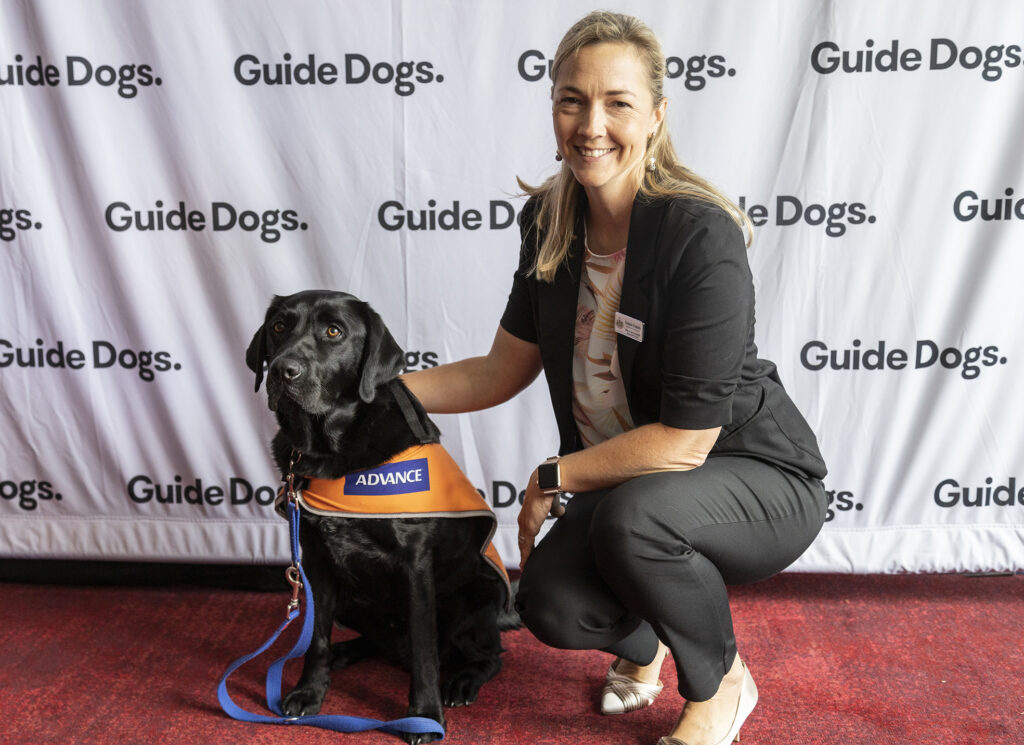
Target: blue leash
338, 723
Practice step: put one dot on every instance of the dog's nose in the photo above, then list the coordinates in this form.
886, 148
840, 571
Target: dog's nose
287, 369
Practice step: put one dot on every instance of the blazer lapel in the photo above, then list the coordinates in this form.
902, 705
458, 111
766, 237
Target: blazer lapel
641, 254
557, 302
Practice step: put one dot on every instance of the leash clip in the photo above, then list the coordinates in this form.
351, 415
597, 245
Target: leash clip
293, 496
292, 575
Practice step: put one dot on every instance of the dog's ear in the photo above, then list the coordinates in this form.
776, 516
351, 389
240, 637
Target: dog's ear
256, 354
383, 359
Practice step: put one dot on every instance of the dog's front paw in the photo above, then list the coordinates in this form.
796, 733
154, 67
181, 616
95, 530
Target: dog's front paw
303, 701
462, 688
420, 739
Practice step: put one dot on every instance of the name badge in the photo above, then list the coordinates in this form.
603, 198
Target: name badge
629, 327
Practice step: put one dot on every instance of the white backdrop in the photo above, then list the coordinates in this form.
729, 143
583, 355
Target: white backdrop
166, 167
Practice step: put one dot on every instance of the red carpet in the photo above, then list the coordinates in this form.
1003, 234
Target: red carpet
838, 660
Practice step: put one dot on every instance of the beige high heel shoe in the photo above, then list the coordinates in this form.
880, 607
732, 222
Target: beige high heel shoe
745, 705
623, 694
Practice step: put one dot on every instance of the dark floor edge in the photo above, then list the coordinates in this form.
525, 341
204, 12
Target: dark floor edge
121, 573
262, 578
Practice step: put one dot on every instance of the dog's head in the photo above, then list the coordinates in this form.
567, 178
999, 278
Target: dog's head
321, 347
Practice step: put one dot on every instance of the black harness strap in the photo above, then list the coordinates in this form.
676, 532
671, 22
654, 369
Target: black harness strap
404, 399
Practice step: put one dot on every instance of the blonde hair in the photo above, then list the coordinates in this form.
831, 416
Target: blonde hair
559, 196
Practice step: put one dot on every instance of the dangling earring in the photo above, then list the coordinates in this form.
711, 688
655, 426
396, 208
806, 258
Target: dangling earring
558, 156
652, 165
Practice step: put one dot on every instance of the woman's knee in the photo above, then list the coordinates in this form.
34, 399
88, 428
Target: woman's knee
546, 622
546, 609
531, 601
570, 613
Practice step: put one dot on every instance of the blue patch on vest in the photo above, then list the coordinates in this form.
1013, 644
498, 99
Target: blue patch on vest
406, 477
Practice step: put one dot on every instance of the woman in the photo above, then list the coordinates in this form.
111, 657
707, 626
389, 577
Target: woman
690, 466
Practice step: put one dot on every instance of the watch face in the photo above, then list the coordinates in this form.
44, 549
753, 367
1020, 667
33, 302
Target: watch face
548, 476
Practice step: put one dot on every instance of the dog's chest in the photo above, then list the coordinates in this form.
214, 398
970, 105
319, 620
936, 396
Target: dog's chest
375, 558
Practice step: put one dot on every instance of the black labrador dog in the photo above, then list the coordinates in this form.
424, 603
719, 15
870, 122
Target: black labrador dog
416, 589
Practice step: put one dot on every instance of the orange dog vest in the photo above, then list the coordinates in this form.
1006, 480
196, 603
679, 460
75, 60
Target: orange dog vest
423, 481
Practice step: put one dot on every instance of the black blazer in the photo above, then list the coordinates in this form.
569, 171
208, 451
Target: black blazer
688, 280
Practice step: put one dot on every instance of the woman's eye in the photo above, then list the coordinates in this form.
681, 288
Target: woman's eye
333, 331
278, 327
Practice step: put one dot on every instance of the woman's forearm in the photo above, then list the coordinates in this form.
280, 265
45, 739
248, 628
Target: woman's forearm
647, 449
477, 382
455, 387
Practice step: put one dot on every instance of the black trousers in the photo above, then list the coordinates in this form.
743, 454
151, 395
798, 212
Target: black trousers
650, 559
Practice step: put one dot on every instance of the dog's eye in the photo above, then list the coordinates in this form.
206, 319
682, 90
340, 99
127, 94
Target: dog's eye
333, 331
278, 327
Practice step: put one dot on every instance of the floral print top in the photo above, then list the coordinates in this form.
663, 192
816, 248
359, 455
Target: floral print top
599, 396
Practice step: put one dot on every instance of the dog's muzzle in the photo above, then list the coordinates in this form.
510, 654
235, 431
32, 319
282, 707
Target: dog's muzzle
287, 376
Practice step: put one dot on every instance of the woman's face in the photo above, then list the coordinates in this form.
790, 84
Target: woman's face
603, 115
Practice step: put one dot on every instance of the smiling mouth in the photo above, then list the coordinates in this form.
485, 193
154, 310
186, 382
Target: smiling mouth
594, 152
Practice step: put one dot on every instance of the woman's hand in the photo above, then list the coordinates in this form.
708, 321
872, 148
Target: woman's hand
532, 515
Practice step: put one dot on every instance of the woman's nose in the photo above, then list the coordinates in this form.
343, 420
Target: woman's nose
592, 122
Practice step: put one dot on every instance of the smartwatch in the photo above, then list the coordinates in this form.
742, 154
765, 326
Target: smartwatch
549, 477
